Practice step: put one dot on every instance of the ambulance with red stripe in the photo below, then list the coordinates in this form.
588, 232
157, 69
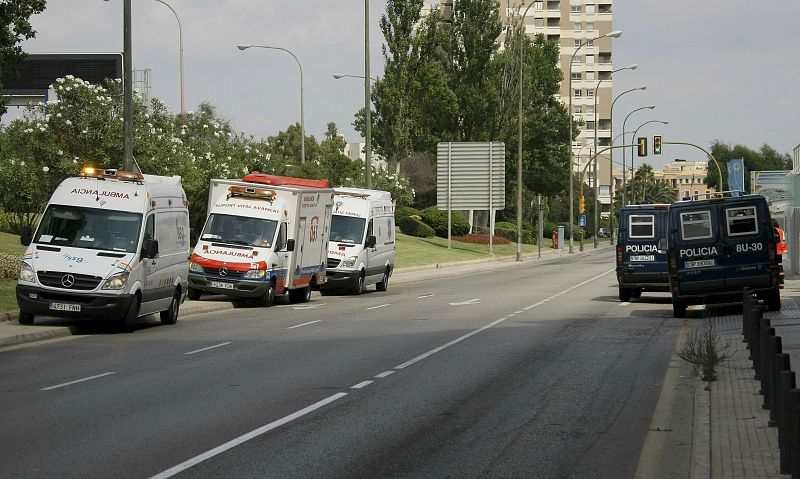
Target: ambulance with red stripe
265, 235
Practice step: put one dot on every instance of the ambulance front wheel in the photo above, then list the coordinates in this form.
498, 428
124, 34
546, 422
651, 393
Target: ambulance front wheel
358, 288
194, 294
25, 318
269, 295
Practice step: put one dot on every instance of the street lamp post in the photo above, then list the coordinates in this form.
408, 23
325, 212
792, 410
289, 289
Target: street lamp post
633, 66
614, 34
180, 40
624, 174
302, 122
367, 106
611, 162
338, 76
367, 131
633, 138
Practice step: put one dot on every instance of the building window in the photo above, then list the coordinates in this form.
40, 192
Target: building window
590, 9
576, 75
575, 9
590, 59
578, 108
590, 43
590, 75
537, 5
590, 25
590, 126
589, 92
577, 92
578, 26
538, 22
576, 60
577, 43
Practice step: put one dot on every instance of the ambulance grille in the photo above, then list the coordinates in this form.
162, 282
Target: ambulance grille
228, 273
62, 279
333, 262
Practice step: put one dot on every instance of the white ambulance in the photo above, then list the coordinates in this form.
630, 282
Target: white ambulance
110, 244
362, 243
264, 235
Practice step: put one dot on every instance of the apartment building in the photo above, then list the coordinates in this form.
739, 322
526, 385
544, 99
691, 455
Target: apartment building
687, 177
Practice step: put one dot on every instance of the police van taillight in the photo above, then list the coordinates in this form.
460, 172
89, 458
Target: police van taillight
619, 256
673, 263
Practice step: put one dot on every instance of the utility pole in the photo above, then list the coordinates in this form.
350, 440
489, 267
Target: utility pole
127, 99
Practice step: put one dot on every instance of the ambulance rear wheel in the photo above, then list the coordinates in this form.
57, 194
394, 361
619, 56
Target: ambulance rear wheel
194, 294
636, 293
301, 295
25, 318
624, 294
170, 316
384, 282
679, 309
269, 295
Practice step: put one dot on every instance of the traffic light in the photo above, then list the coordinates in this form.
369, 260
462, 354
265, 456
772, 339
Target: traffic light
582, 205
656, 144
642, 145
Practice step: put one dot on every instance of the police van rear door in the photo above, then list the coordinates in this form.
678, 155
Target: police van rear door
641, 248
662, 220
745, 245
699, 267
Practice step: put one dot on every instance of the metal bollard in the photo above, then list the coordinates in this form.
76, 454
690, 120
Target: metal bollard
787, 383
793, 418
765, 361
747, 303
755, 329
779, 363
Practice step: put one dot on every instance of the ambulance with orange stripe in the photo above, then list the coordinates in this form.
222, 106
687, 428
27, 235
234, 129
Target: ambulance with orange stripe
265, 235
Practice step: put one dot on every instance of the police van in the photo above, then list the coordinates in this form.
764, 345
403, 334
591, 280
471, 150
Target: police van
110, 244
717, 247
641, 265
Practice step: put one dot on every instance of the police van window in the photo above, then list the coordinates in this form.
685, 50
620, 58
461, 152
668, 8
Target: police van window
696, 225
741, 221
641, 226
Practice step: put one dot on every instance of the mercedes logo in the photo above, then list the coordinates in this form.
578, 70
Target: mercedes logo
223, 271
67, 280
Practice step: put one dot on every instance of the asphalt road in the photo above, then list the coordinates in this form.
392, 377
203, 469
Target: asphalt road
531, 371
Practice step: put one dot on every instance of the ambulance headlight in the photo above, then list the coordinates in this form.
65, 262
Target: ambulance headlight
26, 273
255, 274
117, 281
349, 262
196, 268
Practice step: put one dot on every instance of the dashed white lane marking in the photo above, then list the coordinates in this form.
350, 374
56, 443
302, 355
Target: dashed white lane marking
246, 437
361, 384
304, 324
310, 306
76, 381
426, 296
379, 306
384, 374
210, 347
469, 301
493, 323
624, 303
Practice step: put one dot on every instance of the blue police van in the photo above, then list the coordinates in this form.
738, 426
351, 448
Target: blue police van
641, 265
717, 247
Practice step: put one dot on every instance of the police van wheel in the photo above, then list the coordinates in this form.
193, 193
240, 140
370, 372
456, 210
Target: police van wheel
269, 295
678, 309
170, 316
773, 301
384, 282
194, 294
25, 318
636, 293
624, 294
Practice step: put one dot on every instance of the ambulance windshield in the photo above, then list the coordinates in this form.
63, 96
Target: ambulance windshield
239, 230
346, 229
91, 228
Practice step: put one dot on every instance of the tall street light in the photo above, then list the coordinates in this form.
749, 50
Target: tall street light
127, 88
624, 174
367, 133
633, 138
633, 66
338, 76
302, 123
180, 40
611, 162
367, 105
614, 34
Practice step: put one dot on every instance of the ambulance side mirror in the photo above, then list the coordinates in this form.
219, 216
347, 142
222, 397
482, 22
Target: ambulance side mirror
371, 241
290, 245
150, 248
662, 245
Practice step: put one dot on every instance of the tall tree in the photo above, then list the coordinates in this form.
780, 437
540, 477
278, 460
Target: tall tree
764, 159
15, 26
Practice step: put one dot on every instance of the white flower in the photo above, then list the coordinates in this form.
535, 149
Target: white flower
58, 115
60, 152
59, 80
21, 163
75, 161
68, 122
69, 88
84, 131
46, 169
205, 126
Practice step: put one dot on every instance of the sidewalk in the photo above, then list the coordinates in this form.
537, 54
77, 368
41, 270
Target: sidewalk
12, 333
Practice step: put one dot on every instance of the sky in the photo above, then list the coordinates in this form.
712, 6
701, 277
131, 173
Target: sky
715, 69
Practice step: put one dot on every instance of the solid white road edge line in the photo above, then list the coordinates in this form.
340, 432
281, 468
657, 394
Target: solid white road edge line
210, 347
76, 381
483, 328
246, 437
304, 324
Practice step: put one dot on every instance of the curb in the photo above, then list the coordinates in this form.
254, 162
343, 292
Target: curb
57, 332
701, 434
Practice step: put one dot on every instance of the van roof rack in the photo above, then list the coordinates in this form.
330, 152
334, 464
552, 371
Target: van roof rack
715, 195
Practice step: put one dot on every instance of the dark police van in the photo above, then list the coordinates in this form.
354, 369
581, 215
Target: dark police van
641, 266
719, 246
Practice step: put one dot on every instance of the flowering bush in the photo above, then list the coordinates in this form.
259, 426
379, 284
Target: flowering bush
9, 266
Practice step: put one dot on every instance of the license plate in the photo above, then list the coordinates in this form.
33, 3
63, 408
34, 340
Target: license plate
65, 307
700, 263
643, 257
217, 284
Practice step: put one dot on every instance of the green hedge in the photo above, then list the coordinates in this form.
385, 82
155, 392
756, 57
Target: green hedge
411, 226
437, 219
402, 211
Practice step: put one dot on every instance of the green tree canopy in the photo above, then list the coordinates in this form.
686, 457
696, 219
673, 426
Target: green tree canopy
765, 158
